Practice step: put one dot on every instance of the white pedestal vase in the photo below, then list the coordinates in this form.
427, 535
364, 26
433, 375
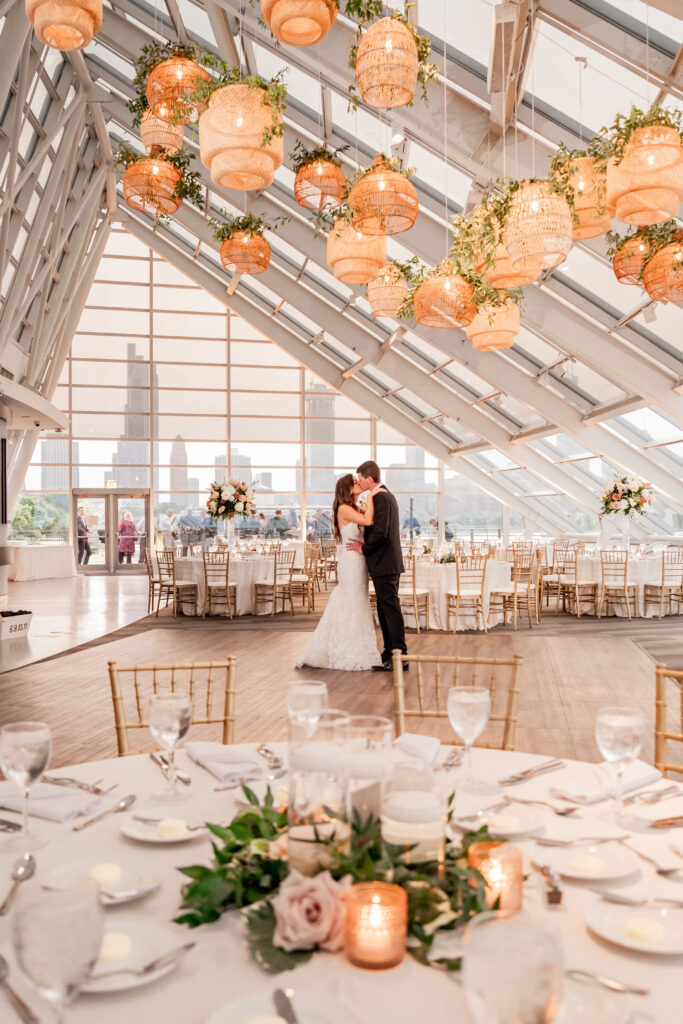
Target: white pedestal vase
230, 532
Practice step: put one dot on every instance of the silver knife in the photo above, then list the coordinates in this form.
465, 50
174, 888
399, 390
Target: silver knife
283, 1005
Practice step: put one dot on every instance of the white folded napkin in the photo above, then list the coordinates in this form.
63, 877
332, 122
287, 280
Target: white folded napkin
226, 764
600, 783
412, 747
56, 803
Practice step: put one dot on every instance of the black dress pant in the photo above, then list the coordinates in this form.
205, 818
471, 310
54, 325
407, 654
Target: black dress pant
390, 615
83, 550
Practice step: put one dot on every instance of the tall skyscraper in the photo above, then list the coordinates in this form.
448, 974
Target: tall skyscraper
54, 477
131, 459
240, 465
179, 479
320, 437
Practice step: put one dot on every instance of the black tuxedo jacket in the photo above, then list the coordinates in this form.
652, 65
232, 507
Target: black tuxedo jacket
382, 544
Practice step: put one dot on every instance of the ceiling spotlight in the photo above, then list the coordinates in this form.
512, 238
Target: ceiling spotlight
397, 138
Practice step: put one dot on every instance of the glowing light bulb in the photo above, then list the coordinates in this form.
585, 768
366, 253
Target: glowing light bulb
375, 915
155, 169
162, 111
320, 170
382, 185
581, 186
358, 235
650, 159
447, 285
389, 45
677, 255
179, 73
641, 247
534, 205
240, 121
245, 239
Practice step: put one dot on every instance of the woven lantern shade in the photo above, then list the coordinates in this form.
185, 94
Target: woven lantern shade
158, 135
629, 260
318, 185
539, 227
444, 300
652, 148
231, 136
245, 253
65, 24
387, 291
387, 64
585, 180
663, 275
168, 86
384, 202
355, 258
494, 327
149, 184
299, 22
501, 274
644, 197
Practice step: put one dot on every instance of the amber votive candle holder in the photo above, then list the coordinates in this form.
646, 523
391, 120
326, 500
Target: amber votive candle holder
376, 924
501, 866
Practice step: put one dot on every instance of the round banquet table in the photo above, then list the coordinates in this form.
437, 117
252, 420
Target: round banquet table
220, 969
246, 569
439, 579
640, 571
41, 562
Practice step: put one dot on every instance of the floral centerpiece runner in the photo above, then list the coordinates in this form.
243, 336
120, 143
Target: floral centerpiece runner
229, 499
627, 494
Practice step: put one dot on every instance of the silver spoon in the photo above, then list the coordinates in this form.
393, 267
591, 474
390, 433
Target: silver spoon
122, 805
22, 870
634, 901
15, 1000
151, 965
643, 856
610, 983
242, 782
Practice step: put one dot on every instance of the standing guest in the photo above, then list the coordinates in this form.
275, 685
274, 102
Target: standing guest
262, 524
127, 535
293, 519
141, 530
82, 535
278, 525
167, 525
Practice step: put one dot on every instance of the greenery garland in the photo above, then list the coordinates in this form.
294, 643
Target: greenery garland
150, 57
611, 140
654, 237
302, 157
563, 166
189, 187
249, 223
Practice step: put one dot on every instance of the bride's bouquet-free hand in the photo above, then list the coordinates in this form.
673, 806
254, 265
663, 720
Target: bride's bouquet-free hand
229, 499
627, 494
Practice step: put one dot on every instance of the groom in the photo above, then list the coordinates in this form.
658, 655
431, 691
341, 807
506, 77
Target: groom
382, 550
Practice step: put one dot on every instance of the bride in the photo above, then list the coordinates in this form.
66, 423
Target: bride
345, 636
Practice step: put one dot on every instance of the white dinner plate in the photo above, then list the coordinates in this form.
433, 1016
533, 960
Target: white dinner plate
527, 819
132, 885
609, 921
584, 1002
147, 833
148, 940
616, 860
310, 1008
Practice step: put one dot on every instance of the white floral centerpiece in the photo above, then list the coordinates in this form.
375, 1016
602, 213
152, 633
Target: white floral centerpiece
628, 495
229, 499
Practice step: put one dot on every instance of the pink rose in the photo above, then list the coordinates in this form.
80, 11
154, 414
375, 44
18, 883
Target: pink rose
310, 912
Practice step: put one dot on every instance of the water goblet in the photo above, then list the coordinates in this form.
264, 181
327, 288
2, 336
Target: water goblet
306, 700
24, 755
56, 937
619, 735
169, 716
469, 708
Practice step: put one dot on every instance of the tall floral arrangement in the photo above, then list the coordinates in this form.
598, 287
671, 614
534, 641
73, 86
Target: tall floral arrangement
229, 499
627, 494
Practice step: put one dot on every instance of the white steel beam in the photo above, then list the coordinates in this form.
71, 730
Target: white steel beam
14, 32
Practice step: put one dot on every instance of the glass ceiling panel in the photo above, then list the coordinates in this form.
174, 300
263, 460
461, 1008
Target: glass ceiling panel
470, 35
196, 21
649, 426
646, 14
301, 86
667, 323
431, 170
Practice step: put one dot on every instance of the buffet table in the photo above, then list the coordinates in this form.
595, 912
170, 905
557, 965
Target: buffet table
246, 569
219, 969
41, 562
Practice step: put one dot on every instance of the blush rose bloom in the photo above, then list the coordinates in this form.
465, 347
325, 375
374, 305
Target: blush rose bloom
310, 912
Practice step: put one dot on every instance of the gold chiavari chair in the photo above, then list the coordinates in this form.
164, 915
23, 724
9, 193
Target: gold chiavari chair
196, 550
670, 589
615, 585
329, 560
663, 733
313, 553
520, 593
209, 684
428, 699
218, 590
152, 581
170, 587
279, 587
304, 581
570, 591
415, 598
470, 593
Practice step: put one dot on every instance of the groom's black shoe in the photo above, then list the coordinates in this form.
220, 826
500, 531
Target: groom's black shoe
386, 666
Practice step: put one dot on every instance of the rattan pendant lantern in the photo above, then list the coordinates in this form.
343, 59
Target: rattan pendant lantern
319, 185
231, 135
663, 274
494, 327
387, 291
539, 227
158, 135
354, 257
590, 204
384, 202
644, 197
149, 185
245, 253
169, 86
65, 24
299, 22
387, 65
444, 300
501, 273
629, 260
651, 148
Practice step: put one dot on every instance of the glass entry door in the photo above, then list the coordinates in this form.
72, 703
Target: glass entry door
111, 530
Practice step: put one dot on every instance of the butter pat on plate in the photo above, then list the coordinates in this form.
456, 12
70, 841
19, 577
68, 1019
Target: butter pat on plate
104, 875
171, 828
586, 864
115, 946
644, 929
503, 822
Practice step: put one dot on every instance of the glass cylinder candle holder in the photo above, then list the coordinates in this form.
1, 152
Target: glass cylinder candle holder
501, 866
376, 924
318, 791
369, 759
414, 815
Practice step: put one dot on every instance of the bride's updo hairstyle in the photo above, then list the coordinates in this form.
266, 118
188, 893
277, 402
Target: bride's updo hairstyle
343, 495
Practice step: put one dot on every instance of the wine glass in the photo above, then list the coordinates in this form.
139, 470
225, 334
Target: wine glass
512, 970
169, 716
469, 708
619, 735
24, 754
57, 937
306, 700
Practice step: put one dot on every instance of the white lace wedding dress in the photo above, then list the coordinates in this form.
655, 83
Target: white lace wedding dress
345, 637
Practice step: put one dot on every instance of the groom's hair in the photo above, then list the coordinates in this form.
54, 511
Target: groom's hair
370, 469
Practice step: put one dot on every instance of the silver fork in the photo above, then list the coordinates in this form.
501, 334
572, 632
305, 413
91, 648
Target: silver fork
653, 796
597, 840
88, 787
643, 856
610, 983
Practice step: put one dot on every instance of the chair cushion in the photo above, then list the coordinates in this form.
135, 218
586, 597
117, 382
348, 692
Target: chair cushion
299, 577
409, 593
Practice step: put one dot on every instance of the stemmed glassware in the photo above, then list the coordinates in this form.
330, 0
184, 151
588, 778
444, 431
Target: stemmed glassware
469, 708
25, 749
169, 716
56, 937
619, 735
306, 700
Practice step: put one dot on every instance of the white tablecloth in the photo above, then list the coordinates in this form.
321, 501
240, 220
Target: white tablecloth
640, 572
245, 571
439, 579
41, 561
220, 969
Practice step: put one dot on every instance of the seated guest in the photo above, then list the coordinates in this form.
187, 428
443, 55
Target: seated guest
278, 525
